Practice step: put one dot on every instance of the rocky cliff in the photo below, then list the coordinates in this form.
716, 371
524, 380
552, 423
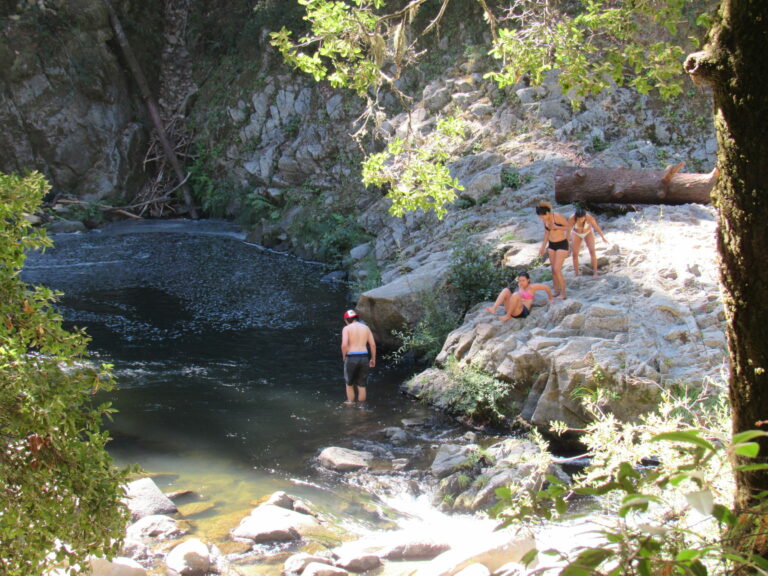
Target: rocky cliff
67, 106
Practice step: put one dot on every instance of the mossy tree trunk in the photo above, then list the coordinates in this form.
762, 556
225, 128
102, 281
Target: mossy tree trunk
735, 65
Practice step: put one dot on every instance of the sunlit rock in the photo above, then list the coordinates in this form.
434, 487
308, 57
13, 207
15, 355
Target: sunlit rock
144, 498
344, 459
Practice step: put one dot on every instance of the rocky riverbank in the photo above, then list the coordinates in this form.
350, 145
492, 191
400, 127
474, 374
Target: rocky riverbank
285, 533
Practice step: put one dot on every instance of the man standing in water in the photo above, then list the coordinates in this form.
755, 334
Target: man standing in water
356, 341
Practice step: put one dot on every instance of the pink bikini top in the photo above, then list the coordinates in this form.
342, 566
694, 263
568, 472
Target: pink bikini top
525, 295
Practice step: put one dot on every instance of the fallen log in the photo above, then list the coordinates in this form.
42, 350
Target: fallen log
625, 186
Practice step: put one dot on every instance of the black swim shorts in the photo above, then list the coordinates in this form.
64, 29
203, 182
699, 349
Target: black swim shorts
356, 370
561, 245
523, 313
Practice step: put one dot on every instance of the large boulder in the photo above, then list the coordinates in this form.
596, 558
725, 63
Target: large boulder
399, 303
192, 558
155, 526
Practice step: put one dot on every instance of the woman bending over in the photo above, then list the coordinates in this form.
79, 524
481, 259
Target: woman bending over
555, 242
583, 226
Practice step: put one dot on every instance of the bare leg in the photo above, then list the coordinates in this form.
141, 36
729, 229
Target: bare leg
575, 254
350, 395
553, 267
557, 257
513, 306
592, 254
361, 393
503, 297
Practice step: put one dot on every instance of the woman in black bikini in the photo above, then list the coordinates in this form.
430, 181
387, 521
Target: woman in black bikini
555, 242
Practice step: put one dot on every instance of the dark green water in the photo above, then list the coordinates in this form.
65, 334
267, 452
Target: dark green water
227, 358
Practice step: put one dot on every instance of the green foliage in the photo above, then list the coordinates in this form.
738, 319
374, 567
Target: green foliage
59, 491
415, 170
474, 275
330, 236
292, 126
511, 178
598, 144
360, 46
88, 212
673, 517
426, 339
348, 47
209, 191
475, 394
592, 47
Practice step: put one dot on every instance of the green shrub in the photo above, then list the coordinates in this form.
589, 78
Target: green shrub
475, 394
474, 275
60, 492
511, 178
330, 235
426, 339
667, 481
372, 276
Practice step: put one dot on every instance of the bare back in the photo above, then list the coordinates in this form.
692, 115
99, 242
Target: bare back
357, 337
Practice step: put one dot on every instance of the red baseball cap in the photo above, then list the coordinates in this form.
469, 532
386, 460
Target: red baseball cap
350, 314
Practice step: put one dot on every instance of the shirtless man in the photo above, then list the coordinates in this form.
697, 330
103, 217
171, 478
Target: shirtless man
356, 340
518, 304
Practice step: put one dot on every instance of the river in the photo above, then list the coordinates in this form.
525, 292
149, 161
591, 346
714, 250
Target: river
227, 360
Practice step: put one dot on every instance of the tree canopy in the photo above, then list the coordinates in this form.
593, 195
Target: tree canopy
364, 46
59, 490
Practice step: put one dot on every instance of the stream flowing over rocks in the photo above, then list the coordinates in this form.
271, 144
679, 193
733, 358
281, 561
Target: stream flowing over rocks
293, 535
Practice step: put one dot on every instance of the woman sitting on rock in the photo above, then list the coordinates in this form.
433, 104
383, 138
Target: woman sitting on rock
518, 304
555, 242
583, 226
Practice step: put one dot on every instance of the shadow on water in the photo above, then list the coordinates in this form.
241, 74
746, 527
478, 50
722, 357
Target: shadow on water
227, 357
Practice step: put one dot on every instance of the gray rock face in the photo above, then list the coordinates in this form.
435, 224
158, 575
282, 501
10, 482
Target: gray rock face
67, 110
451, 457
651, 317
